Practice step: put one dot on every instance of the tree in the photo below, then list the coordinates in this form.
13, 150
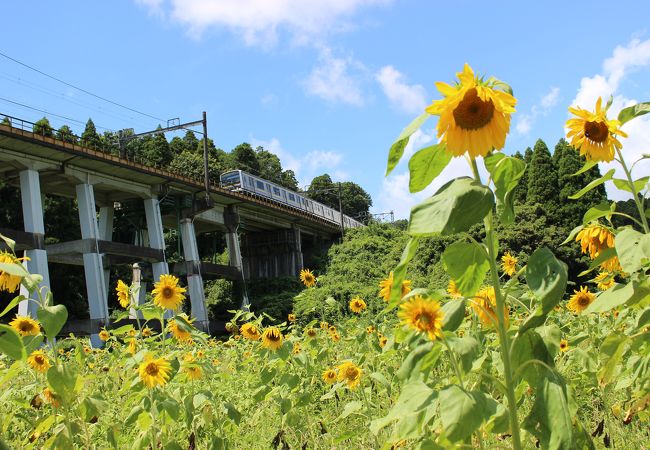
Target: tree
521, 191
289, 180
43, 128
324, 191
65, 134
542, 178
569, 162
110, 142
90, 138
270, 166
191, 142
355, 201
156, 150
177, 146
244, 158
6, 121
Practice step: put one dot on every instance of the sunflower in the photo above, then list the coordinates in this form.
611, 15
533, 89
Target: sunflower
331, 329
307, 278
51, 397
357, 305
335, 336
329, 376
178, 331
383, 340
87, 350
200, 354
250, 331
291, 317
452, 290
581, 299
272, 338
350, 373
146, 332
132, 332
508, 264
324, 325
154, 372
422, 315
104, 335
38, 361
483, 305
564, 345
474, 115
311, 332
25, 326
9, 282
193, 372
133, 346
594, 239
387, 284
593, 134
296, 348
167, 293
123, 296
604, 280
370, 329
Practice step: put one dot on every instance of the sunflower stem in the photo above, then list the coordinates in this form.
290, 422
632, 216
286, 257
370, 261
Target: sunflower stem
637, 200
454, 363
504, 342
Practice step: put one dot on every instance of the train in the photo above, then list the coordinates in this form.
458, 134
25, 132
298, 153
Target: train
240, 181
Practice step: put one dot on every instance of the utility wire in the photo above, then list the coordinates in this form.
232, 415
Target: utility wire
80, 89
50, 113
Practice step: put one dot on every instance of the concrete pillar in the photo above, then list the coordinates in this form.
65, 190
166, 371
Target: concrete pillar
297, 251
93, 264
194, 278
30, 192
106, 214
156, 237
231, 221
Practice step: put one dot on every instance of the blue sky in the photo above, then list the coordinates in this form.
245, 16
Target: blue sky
327, 85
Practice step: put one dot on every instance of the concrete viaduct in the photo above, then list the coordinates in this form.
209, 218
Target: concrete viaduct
264, 238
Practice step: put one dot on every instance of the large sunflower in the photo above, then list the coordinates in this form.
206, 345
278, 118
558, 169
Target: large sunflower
357, 305
387, 284
350, 373
122, 290
154, 372
272, 338
329, 376
250, 331
509, 264
25, 326
9, 282
167, 293
474, 115
425, 316
484, 304
604, 280
307, 277
593, 134
38, 361
581, 299
593, 240
180, 332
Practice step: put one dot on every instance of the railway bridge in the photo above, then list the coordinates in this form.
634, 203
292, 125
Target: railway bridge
264, 238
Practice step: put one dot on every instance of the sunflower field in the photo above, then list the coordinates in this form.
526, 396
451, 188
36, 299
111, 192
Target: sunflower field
507, 356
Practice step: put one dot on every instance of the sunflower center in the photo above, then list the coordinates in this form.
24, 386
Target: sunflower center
351, 373
472, 112
273, 336
152, 369
39, 359
583, 300
26, 327
596, 131
167, 292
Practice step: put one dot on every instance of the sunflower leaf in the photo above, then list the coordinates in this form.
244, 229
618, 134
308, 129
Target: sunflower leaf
400, 273
603, 209
624, 185
633, 250
633, 111
426, 164
467, 264
608, 176
588, 165
505, 87
397, 149
10, 343
52, 319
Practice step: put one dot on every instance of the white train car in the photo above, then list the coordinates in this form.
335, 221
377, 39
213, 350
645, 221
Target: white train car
238, 180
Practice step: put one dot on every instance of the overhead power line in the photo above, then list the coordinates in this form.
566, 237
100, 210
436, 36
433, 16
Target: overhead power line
79, 89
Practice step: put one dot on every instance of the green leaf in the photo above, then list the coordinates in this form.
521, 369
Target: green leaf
423, 355
399, 274
603, 209
587, 165
457, 206
426, 164
461, 412
350, 408
505, 171
623, 185
10, 242
12, 304
466, 348
498, 84
31, 343
10, 343
633, 111
63, 379
92, 406
454, 311
233, 412
611, 352
526, 347
595, 183
467, 264
630, 293
633, 250
550, 418
13, 269
52, 319
414, 397
397, 148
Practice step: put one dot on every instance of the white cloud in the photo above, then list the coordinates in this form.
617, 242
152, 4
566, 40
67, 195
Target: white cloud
616, 68
323, 160
259, 22
547, 102
408, 98
333, 79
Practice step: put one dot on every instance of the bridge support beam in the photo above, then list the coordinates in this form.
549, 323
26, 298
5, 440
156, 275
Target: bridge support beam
30, 192
93, 264
194, 278
106, 214
271, 254
156, 239
297, 251
231, 221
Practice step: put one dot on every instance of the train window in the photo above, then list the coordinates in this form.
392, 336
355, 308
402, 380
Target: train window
292, 197
268, 187
260, 185
276, 191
